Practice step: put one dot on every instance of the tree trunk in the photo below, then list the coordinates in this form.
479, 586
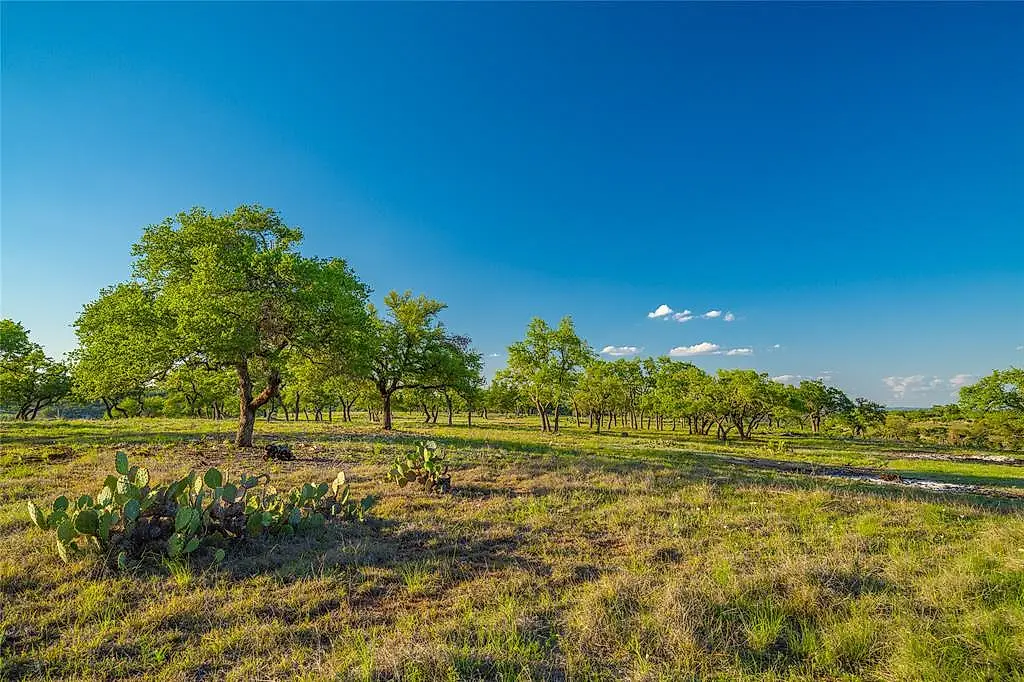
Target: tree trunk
543, 417
246, 412
247, 404
387, 410
451, 411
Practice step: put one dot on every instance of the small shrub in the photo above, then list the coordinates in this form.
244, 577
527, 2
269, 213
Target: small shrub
776, 447
426, 465
130, 516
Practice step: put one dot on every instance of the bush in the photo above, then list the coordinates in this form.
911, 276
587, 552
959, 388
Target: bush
426, 465
131, 517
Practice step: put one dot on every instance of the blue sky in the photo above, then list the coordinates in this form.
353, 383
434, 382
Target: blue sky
847, 180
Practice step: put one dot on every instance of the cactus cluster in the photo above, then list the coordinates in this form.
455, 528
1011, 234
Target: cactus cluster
130, 516
426, 464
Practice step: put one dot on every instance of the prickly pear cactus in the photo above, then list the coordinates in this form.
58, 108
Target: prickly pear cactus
130, 517
426, 465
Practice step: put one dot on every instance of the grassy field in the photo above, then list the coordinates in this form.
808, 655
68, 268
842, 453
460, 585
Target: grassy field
645, 556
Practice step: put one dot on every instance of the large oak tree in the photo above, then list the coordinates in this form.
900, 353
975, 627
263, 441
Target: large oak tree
229, 291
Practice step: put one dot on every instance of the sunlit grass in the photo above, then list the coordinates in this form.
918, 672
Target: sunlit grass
569, 556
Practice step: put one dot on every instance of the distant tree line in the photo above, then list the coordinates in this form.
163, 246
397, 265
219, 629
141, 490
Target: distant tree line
989, 413
224, 318
553, 372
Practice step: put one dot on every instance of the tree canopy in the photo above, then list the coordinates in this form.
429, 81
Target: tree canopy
29, 380
226, 291
412, 349
546, 366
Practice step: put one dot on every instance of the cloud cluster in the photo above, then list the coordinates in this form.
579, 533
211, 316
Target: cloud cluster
915, 383
707, 348
617, 351
665, 312
902, 386
825, 376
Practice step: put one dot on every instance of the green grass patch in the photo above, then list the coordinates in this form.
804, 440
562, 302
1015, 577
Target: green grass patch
569, 556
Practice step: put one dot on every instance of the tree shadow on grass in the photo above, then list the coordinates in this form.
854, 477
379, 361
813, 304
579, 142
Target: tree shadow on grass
382, 560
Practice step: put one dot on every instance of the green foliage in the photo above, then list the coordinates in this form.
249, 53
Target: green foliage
600, 390
29, 380
1003, 390
546, 366
125, 344
426, 464
221, 292
863, 415
412, 349
129, 516
818, 401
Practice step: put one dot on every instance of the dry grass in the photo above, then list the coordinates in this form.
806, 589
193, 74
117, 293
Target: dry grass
557, 558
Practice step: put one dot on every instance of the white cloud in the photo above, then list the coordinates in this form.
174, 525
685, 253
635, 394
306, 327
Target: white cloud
703, 348
729, 317
917, 383
824, 377
958, 380
661, 311
494, 355
619, 350
712, 314
740, 351
684, 316
1020, 347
